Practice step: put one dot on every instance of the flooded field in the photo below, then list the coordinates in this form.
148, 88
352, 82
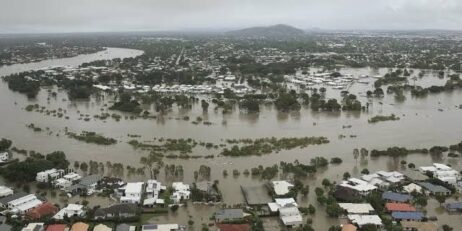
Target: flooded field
424, 122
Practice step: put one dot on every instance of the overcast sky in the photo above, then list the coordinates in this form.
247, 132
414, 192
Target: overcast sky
33, 16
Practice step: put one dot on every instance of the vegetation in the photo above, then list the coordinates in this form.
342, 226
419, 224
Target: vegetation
380, 118
91, 137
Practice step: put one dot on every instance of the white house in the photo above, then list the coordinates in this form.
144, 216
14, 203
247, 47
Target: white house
357, 208
5, 191
362, 220
70, 210
24, 204
442, 172
62, 184
281, 187
290, 216
132, 193
360, 186
181, 192
72, 177
49, 175
153, 189
4, 157
280, 203
410, 188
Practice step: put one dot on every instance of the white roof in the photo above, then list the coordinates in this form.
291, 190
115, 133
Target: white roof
290, 216
5, 191
161, 227
282, 187
352, 208
28, 205
70, 210
358, 185
361, 220
134, 187
180, 186
101, 227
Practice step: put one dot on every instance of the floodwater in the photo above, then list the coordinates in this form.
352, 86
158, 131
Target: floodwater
424, 122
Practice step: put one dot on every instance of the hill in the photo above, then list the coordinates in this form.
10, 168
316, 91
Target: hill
276, 31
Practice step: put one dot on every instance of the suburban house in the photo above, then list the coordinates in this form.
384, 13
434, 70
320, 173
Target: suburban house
399, 207
5, 191
72, 177
362, 220
80, 226
21, 203
153, 189
86, 185
209, 190
132, 193
288, 211
49, 175
228, 215
281, 188
118, 210
407, 216
181, 191
125, 227
383, 179
71, 210
44, 210
56, 227
432, 189
34, 227
345, 194
102, 227
62, 184
352, 208
233, 227
454, 207
442, 172
396, 197
360, 186
417, 225
4, 157
411, 188
162, 227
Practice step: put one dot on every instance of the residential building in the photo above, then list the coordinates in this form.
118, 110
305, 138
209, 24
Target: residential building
57, 227
399, 207
290, 216
71, 210
86, 185
454, 207
442, 172
62, 184
34, 227
361, 220
5, 191
132, 193
360, 186
153, 188
357, 208
228, 215
102, 227
280, 203
181, 192
43, 210
345, 194
118, 210
72, 177
396, 197
432, 189
162, 227
79, 226
411, 188
24, 204
49, 175
281, 188
4, 157
407, 216
125, 227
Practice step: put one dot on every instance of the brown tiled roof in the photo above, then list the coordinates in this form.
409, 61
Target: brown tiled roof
44, 209
401, 207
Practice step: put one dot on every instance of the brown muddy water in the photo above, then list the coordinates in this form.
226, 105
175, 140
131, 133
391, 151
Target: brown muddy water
422, 125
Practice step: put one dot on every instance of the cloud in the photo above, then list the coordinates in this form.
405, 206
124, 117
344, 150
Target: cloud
132, 15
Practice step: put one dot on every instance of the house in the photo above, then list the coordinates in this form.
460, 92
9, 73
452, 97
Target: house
118, 210
352, 208
432, 189
454, 207
399, 207
43, 210
132, 193
209, 190
345, 194
280, 203
71, 210
181, 192
383, 179
233, 227
23, 204
442, 172
72, 177
349, 227
228, 215
56, 227
5, 191
125, 227
62, 184
34, 227
360, 186
4, 157
407, 216
290, 216
281, 188
418, 226
153, 189
5, 227
411, 188
102, 227
361, 220
416, 175
5, 200
86, 185
79, 226
162, 227
396, 197
49, 175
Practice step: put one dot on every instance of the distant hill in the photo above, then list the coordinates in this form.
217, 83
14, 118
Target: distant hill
275, 31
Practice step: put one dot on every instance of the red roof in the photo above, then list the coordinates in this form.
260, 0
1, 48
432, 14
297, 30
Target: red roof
56, 227
44, 209
400, 207
233, 227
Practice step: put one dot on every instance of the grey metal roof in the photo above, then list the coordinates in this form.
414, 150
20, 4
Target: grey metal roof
123, 227
15, 196
434, 188
89, 180
229, 214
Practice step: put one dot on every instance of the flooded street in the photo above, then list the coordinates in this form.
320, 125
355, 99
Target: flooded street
421, 125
